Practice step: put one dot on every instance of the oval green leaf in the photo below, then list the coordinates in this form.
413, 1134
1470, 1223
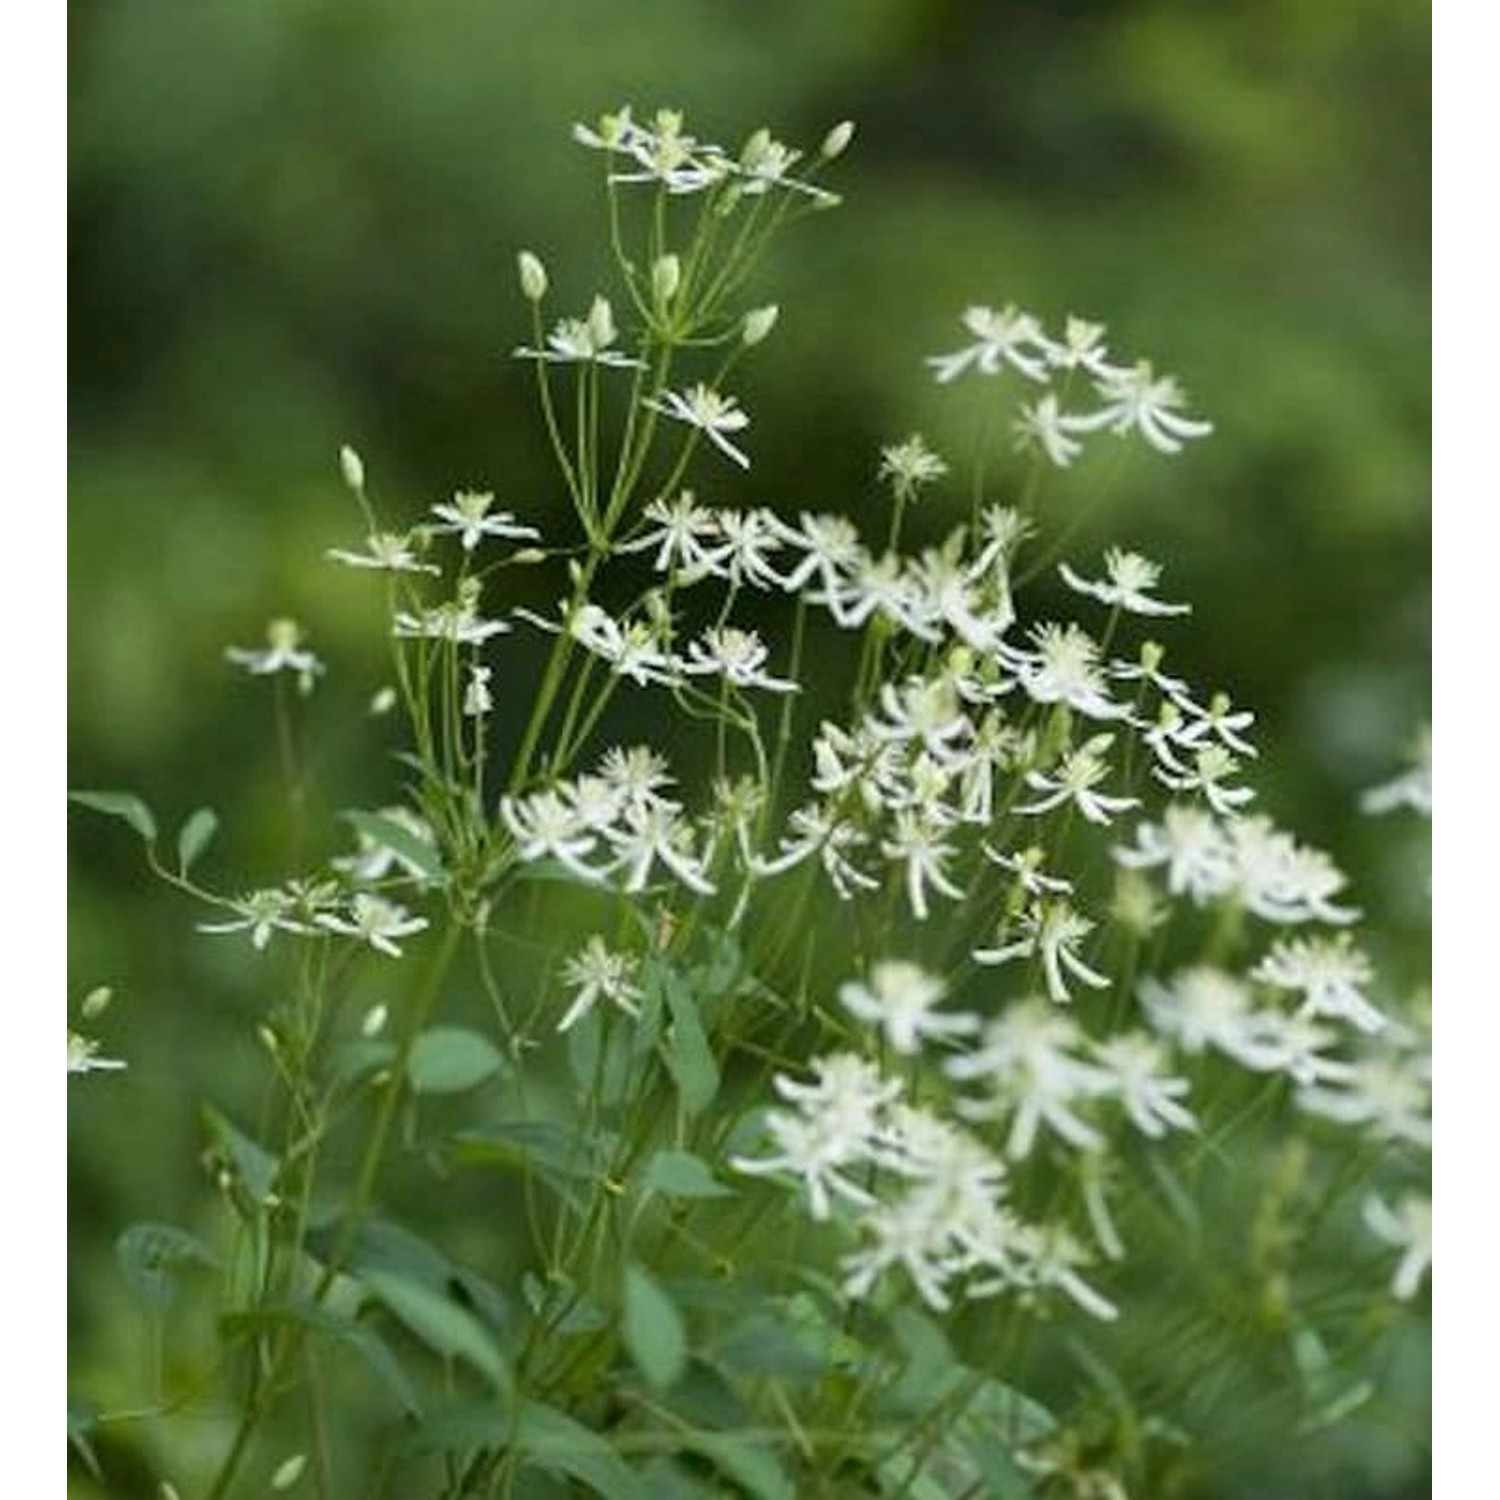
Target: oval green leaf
451, 1059
653, 1330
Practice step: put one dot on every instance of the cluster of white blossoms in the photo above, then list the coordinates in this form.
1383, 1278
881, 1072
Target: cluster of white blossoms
921, 1193
615, 823
1132, 398
306, 908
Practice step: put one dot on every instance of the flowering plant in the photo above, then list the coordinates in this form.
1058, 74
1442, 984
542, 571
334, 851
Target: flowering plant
848, 1081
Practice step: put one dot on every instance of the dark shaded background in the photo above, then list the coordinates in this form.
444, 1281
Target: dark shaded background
293, 224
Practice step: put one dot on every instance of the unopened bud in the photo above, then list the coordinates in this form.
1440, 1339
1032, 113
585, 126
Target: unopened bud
383, 701
533, 276
268, 1039
529, 555
96, 1002
601, 323
374, 1021
288, 1473
759, 323
1151, 655
353, 469
836, 142
666, 277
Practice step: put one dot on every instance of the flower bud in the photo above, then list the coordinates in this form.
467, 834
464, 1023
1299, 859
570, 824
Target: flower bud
836, 142
759, 323
1151, 655
353, 468
529, 555
666, 277
533, 276
289, 1472
383, 701
96, 1002
601, 323
373, 1022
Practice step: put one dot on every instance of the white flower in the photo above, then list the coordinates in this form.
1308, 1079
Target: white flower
1389, 1093
386, 551
282, 653
1042, 425
455, 620
598, 974
1282, 881
1412, 788
817, 830
1219, 720
1202, 1007
584, 341
1081, 770
837, 1125
1294, 1045
261, 913
632, 649
83, 1056
1007, 337
1198, 856
918, 841
373, 860
651, 834
1026, 866
469, 515
667, 156
901, 998
1133, 1065
1136, 398
375, 921
711, 413
907, 1234
681, 527
614, 132
638, 773
1027, 1058
1130, 580
1212, 767
1052, 1258
1052, 930
737, 655
1329, 972
1408, 1227
1082, 348
1065, 668
910, 466
543, 826
831, 552
925, 710
747, 539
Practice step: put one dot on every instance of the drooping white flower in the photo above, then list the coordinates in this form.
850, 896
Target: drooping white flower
831, 551
1028, 1059
739, 656
1135, 1073
1282, 881
653, 834
907, 1234
468, 514
1407, 1227
1127, 585
819, 830
1329, 973
680, 531
1205, 1007
1388, 1093
669, 157
83, 1056
638, 773
1026, 866
902, 998
1008, 337
1412, 788
374, 920
456, 620
1064, 668
386, 551
925, 710
544, 827
1075, 779
1221, 721
260, 914
596, 973
1082, 348
1197, 854
747, 540
1137, 399
282, 653
373, 860
917, 841
584, 341
1212, 767
710, 412
1052, 1258
1043, 425
1050, 930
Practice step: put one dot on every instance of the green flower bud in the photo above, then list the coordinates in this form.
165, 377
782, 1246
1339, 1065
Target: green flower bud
666, 278
836, 142
96, 1002
533, 276
288, 1473
352, 466
601, 322
759, 323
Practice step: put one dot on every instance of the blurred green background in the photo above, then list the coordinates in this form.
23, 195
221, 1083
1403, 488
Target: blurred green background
293, 224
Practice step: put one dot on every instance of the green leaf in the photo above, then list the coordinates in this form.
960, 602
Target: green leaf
83, 1422
359, 1337
195, 836
417, 852
753, 1467
552, 1440
449, 1060
549, 1147
680, 1174
253, 1165
123, 805
439, 1322
689, 1058
151, 1256
653, 1330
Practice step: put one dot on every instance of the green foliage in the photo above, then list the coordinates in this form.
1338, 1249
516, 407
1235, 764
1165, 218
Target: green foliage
153, 1258
123, 805
196, 834
653, 1329
451, 1060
